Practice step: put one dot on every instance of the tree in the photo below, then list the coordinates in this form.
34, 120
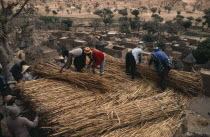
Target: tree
153, 10
148, 38
157, 18
106, 15
186, 24
190, 18
135, 13
207, 16
47, 9
159, 11
168, 8
54, 12
143, 9
6, 20
198, 20
123, 12
95, 24
202, 53
178, 12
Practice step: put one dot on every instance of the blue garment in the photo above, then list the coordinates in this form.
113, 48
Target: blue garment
16, 71
3, 85
161, 61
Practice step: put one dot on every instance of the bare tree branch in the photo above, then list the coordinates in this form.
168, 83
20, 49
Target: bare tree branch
19, 11
2, 4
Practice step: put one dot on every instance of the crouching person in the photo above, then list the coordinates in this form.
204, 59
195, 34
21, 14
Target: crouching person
26, 72
96, 58
18, 125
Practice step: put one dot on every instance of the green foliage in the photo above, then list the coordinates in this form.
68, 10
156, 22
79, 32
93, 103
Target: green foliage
202, 53
49, 19
47, 9
135, 13
153, 10
161, 44
207, 16
106, 15
157, 18
186, 24
54, 12
178, 12
194, 34
198, 20
167, 8
123, 12
150, 26
148, 38
190, 18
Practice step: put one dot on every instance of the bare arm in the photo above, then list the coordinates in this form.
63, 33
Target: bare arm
31, 124
68, 62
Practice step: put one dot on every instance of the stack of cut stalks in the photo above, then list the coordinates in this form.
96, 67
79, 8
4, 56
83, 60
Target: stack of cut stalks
130, 108
188, 82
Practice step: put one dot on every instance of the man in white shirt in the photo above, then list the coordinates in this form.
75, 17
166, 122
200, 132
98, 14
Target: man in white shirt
79, 59
133, 57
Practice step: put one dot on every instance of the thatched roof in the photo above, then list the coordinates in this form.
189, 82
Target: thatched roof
189, 59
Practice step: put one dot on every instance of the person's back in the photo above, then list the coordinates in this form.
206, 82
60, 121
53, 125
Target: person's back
18, 126
163, 58
97, 56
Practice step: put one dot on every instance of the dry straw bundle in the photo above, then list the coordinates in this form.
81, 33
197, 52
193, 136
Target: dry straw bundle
98, 121
156, 128
73, 111
84, 80
188, 82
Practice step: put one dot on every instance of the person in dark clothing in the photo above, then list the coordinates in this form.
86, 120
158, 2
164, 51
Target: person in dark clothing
1, 118
132, 58
16, 70
162, 65
4, 86
79, 59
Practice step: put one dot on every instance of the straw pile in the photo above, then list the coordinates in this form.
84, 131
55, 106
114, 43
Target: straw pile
132, 108
73, 111
188, 82
156, 128
84, 80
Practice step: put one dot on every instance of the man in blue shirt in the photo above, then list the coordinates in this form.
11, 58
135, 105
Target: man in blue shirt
162, 64
16, 70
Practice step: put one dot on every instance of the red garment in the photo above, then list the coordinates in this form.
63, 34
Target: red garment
97, 57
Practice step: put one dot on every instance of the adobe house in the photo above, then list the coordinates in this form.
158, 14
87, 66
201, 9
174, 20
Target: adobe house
205, 73
116, 51
188, 62
66, 42
52, 41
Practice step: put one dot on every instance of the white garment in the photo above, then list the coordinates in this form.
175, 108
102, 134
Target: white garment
76, 52
27, 77
136, 52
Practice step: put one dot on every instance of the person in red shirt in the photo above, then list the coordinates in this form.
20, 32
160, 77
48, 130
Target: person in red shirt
96, 58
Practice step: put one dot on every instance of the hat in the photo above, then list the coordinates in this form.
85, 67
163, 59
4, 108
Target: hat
13, 112
25, 68
58, 58
7, 98
87, 50
156, 49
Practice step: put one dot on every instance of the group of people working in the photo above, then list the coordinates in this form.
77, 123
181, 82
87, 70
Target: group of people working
18, 126
158, 58
79, 55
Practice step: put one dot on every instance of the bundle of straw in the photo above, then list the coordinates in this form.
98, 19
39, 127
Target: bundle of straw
84, 80
188, 82
156, 128
98, 121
